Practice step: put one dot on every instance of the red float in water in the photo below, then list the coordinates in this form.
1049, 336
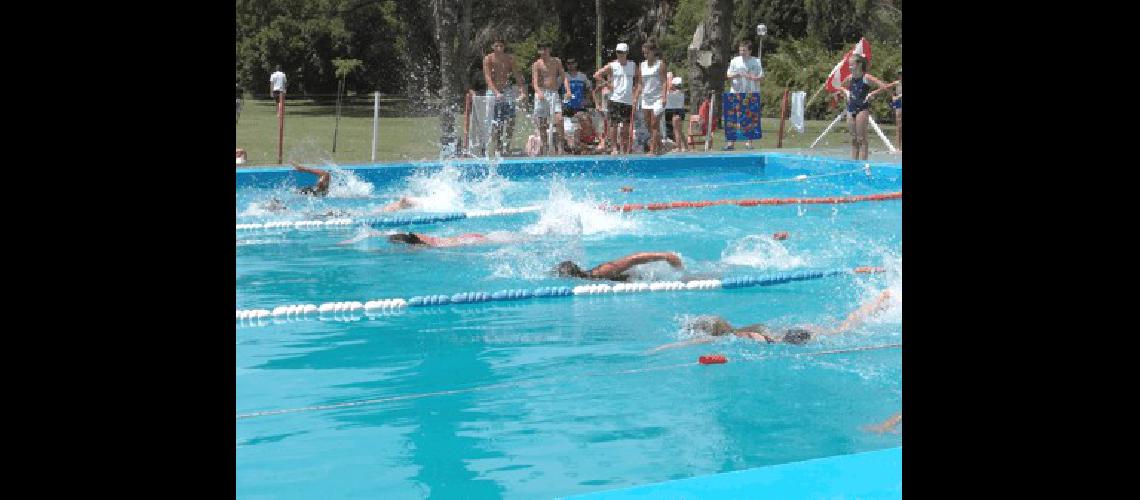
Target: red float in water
714, 359
782, 235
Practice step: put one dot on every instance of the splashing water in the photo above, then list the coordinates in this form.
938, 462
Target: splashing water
761, 252
446, 191
345, 184
562, 215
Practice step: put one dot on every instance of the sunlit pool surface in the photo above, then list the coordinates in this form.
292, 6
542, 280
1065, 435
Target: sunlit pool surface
558, 396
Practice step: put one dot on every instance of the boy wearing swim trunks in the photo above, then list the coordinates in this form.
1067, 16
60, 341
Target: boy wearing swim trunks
546, 76
497, 68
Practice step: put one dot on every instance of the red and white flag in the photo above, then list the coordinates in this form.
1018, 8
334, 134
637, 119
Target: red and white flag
842, 70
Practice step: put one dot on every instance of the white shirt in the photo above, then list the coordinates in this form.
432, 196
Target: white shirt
622, 81
651, 87
675, 99
741, 85
277, 79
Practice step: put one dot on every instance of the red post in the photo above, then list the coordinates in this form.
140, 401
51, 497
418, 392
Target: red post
280, 126
467, 117
783, 114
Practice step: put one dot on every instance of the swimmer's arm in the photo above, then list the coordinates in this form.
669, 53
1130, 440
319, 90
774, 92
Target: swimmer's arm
362, 237
402, 203
887, 424
683, 343
857, 316
619, 266
315, 171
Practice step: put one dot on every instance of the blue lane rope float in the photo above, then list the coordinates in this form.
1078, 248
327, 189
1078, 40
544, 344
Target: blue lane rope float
386, 221
354, 309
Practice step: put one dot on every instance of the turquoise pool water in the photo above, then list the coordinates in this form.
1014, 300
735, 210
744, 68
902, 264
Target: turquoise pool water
555, 397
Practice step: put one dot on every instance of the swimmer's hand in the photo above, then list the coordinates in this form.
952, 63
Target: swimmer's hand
361, 237
683, 343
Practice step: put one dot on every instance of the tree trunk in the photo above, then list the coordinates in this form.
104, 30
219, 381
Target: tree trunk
718, 39
598, 35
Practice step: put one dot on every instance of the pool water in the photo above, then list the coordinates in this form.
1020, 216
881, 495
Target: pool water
558, 396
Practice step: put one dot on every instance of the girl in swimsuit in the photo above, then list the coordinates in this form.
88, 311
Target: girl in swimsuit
858, 109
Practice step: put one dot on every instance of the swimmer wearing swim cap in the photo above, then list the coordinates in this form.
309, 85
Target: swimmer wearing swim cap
711, 328
321, 188
614, 270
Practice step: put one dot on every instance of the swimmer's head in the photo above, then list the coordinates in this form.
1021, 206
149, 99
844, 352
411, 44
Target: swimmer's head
710, 325
409, 238
797, 335
568, 268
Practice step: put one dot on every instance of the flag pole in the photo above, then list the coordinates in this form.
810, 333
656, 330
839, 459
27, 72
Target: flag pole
821, 87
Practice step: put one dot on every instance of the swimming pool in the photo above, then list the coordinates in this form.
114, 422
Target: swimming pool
557, 396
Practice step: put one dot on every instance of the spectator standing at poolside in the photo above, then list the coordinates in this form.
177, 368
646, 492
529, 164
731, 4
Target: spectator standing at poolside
497, 68
651, 89
675, 113
857, 91
746, 73
277, 83
621, 75
547, 75
581, 90
579, 103
896, 104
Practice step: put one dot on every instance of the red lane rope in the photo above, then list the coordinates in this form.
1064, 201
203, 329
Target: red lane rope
751, 202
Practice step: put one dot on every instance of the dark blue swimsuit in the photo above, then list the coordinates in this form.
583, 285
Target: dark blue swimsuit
858, 100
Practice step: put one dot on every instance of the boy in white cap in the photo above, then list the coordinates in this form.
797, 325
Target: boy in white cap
675, 113
622, 75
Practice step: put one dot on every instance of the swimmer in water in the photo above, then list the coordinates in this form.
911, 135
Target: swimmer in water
321, 188
404, 203
714, 327
440, 241
615, 269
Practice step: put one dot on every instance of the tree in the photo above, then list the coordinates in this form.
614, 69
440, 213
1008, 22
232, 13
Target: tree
343, 68
715, 31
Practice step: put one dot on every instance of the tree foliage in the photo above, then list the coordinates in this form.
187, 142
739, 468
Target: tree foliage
399, 48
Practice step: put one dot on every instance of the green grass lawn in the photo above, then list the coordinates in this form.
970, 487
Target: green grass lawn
309, 134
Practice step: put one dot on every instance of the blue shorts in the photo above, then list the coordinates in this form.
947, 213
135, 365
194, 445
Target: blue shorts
897, 103
504, 109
